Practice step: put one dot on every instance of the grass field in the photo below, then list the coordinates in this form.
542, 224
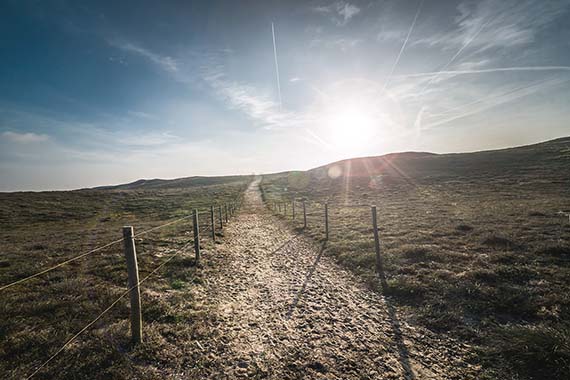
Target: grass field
473, 244
38, 230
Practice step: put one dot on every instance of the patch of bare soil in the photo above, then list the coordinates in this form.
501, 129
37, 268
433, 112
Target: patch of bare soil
281, 310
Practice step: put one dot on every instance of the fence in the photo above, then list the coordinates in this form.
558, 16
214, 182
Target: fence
130, 252
322, 213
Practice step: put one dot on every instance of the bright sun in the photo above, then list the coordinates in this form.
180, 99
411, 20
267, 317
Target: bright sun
350, 128
355, 117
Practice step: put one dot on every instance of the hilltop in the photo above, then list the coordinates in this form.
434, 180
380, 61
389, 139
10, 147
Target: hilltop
550, 158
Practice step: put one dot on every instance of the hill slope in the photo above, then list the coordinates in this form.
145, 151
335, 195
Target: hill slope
147, 184
474, 245
550, 159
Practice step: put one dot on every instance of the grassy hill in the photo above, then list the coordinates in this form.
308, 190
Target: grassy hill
550, 159
147, 184
41, 229
474, 244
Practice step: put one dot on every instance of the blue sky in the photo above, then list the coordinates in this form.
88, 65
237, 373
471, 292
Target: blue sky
101, 92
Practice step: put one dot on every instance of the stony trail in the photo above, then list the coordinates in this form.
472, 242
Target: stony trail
282, 310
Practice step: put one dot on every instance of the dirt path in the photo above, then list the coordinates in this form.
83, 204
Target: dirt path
281, 310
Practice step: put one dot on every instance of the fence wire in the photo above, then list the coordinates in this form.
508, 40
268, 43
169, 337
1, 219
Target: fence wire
124, 294
139, 234
60, 264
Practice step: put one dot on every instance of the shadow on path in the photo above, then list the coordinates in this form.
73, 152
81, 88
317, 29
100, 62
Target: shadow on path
404, 355
305, 282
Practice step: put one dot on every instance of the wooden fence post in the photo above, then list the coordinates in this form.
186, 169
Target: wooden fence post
379, 266
196, 235
285, 208
220, 217
133, 283
293, 207
226, 211
327, 221
213, 225
304, 215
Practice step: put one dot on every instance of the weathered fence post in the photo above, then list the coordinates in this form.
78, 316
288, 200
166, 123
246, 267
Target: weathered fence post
213, 224
304, 215
133, 283
220, 217
196, 235
285, 208
293, 208
326, 221
226, 211
379, 266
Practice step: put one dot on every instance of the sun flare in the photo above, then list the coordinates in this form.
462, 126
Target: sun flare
355, 117
351, 128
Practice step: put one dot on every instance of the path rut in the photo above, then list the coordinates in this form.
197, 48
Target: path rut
283, 310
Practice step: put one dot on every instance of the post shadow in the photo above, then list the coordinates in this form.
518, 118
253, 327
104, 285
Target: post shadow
403, 353
306, 281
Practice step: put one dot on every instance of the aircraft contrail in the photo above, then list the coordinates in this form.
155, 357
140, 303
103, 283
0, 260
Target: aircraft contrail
491, 70
508, 96
456, 55
403, 45
276, 65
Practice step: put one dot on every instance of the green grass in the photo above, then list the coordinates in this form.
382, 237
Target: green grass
38, 230
470, 249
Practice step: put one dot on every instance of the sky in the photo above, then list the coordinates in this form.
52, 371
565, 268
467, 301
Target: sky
106, 92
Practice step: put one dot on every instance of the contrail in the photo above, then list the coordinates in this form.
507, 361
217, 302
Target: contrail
403, 45
506, 97
480, 100
276, 65
491, 70
456, 55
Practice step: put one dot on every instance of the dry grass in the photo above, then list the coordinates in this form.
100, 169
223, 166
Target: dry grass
40, 229
486, 259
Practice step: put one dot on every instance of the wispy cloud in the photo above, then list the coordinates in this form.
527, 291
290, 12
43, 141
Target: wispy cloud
508, 23
485, 103
484, 71
342, 43
257, 104
141, 115
167, 63
340, 12
24, 138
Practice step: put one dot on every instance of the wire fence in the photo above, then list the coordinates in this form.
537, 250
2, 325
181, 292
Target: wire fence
358, 223
204, 220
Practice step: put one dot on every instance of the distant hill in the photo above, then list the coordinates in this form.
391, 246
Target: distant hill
147, 184
549, 160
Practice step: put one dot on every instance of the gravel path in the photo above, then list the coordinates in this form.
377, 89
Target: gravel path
282, 310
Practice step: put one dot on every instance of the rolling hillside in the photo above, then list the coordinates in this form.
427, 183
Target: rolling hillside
547, 160
149, 184
475, 245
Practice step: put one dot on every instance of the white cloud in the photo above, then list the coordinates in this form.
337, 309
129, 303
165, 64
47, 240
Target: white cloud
141, 115
499, 24
341, 43
340, 12
494, 99
24, 138
258, 105
167, 63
